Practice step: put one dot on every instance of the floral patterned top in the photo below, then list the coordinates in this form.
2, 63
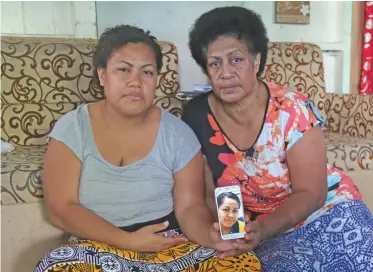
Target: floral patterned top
262, 170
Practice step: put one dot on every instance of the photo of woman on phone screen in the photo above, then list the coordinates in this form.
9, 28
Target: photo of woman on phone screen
231, 220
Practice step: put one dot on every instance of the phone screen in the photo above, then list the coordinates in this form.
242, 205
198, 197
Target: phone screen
230, 212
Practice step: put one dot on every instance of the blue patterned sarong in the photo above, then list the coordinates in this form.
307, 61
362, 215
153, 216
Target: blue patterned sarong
341, 240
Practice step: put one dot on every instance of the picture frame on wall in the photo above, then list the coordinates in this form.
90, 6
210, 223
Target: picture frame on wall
292, 12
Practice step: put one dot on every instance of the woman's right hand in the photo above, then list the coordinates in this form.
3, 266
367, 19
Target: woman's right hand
146, 239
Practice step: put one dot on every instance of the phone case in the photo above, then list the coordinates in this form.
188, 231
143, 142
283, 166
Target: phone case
230, 212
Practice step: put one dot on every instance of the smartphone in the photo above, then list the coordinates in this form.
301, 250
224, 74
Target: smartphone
230, 212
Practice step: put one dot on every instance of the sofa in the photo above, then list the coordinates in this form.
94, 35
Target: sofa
43, 78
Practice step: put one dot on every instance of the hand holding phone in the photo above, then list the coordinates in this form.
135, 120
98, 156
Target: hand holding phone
217, 242
250, 242
230, 212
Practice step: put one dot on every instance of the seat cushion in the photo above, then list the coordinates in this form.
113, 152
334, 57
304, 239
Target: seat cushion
349, 153
21, 175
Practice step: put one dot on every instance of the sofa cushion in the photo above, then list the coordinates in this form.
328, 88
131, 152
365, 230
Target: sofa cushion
21, 175
47, 70
350, 114
28, 124
349, 153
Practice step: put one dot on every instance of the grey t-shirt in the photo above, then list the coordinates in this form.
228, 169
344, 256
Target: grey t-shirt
135, 193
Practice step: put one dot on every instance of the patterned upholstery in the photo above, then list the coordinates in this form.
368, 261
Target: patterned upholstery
44, 78
297, 66
349, 153
350, 114
21, 175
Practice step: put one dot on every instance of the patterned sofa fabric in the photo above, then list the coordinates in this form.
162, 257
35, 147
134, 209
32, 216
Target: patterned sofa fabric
350, 114
47, 77
21, 172
349, 153
29, 124
47, 71
299, 67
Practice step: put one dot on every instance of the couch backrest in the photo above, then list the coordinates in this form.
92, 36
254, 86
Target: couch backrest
43, 78
298, 66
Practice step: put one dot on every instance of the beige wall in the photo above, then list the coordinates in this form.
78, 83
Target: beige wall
330, 28
49, 18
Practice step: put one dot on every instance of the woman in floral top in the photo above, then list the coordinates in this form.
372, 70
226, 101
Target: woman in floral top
303, 215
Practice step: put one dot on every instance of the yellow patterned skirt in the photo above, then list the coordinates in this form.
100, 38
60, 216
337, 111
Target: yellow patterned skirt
92, 256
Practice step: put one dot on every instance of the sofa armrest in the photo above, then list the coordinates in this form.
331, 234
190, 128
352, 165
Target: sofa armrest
350, 114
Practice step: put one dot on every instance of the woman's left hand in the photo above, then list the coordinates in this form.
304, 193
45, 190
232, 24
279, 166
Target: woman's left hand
251, 240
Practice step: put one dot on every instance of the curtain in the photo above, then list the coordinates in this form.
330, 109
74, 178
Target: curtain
366, 82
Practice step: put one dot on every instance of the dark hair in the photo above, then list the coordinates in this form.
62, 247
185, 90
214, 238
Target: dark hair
238, 22
114, 38
230, 195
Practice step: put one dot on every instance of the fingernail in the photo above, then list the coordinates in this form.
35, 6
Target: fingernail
235, 245
165, 223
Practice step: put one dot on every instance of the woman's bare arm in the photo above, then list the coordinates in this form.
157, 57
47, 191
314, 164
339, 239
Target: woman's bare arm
61, 176
191, 210
210, 191
307, 165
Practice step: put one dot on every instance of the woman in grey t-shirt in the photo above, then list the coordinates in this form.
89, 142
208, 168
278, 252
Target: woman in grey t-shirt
123, 177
